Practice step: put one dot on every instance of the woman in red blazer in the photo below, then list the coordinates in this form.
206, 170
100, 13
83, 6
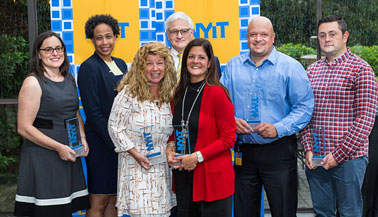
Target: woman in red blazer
204, 124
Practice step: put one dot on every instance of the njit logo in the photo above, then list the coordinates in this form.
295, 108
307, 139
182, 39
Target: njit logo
123, 26
217, 31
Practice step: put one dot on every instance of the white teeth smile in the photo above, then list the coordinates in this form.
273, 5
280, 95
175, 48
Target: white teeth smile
155, 75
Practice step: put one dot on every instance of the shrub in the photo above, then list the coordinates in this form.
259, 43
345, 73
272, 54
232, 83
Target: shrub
10, 144
296, 51
369, 54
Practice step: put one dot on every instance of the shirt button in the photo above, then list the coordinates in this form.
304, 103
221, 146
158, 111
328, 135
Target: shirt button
323, 98
253, 81
257, 69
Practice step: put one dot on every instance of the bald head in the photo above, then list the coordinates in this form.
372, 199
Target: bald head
260, 37
261, 21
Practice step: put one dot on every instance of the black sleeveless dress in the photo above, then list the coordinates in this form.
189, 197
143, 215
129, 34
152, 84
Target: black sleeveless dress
47, 185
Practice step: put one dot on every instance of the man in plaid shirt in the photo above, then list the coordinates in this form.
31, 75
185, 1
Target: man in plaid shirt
345, 91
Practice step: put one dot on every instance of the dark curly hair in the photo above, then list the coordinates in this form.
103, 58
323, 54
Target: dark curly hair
98, 19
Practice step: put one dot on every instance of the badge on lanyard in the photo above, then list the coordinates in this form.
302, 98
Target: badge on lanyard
238, 154
238, 158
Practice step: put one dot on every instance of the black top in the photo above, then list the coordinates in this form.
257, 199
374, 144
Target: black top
193, 90
184, 179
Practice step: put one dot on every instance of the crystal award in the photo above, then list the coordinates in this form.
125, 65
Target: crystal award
318, 147
253, 110
155, 157
73, 132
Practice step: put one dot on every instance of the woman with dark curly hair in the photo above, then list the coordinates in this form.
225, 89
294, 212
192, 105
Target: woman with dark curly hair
98, 78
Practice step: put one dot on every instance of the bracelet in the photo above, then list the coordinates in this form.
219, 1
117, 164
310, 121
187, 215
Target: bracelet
171, 144
83, 137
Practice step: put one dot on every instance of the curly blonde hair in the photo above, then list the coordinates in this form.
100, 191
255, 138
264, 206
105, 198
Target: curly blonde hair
135, 78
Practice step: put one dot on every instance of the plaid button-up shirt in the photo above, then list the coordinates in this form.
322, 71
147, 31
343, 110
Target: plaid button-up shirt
346, 95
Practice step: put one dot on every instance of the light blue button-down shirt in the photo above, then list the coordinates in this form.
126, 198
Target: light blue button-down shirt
285, 94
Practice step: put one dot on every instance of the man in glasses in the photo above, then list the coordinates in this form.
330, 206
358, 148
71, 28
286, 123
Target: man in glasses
180, 31
345, 91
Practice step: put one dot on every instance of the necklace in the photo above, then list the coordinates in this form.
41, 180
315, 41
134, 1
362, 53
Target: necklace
185, 124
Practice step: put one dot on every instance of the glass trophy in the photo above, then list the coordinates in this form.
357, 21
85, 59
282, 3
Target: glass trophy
253, 110
319, 146
182, 141
155, 157
73, 132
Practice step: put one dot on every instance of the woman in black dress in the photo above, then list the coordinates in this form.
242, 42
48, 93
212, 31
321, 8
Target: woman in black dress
51, 180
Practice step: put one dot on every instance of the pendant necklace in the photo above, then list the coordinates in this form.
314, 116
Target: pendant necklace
185, 124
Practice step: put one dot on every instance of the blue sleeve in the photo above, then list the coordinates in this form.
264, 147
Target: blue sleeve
225, 79
89, 86
301, 99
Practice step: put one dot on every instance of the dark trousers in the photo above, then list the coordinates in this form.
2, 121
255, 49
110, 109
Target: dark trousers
370, 187
273, 165
187, 208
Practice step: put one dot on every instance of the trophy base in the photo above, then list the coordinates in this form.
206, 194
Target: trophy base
79, 150
178, 163
253, 124
156, 158
316, 161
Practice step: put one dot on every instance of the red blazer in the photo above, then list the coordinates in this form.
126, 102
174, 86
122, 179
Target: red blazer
214, 178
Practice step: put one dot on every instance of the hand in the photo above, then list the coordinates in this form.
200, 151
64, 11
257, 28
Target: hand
171, 158
189, 162
242, 127
308, 161
85, 144
141, 159
66, 153
329, 162
266, 130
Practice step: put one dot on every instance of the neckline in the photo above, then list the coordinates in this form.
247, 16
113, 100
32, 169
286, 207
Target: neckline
64, 78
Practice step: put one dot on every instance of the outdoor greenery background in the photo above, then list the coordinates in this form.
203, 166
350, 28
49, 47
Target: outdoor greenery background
294, 22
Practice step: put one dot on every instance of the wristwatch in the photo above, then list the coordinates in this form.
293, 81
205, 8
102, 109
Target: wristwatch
199, 157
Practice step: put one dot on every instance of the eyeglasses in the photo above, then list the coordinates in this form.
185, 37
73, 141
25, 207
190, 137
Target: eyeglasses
50, 50
183, 32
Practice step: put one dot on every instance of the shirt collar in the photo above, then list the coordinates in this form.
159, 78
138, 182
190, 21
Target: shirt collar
174, 52
340, 59
272, 58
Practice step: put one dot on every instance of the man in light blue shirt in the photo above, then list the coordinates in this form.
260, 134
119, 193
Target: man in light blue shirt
275, 89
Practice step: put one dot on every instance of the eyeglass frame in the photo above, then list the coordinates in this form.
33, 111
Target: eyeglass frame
61, 48
184, 32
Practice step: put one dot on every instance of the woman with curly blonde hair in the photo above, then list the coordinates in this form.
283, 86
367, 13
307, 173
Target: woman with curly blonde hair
140, 124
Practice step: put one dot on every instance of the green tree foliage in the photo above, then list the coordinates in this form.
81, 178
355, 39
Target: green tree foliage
14, 55
295, 21
14, 17
369, 54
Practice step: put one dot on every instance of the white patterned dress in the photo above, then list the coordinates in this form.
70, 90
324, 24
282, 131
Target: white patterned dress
141, 192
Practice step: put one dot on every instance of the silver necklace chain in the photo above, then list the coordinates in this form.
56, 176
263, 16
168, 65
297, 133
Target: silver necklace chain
186, 123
